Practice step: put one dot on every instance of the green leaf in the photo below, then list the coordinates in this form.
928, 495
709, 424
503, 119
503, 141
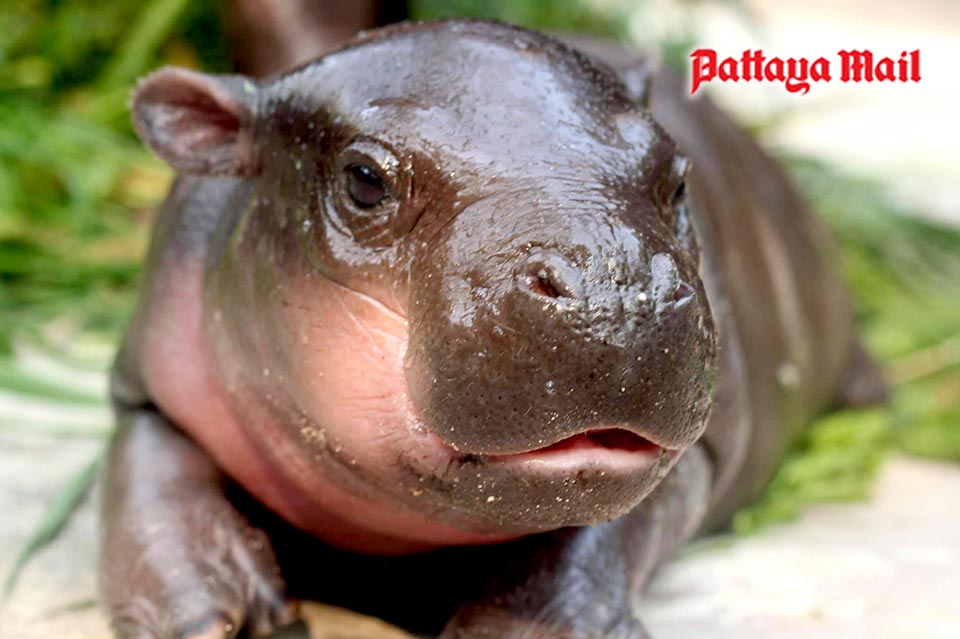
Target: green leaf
835, 460
151, 27
55, 518
12, 378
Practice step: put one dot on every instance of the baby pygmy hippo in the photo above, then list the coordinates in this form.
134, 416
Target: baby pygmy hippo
457, 325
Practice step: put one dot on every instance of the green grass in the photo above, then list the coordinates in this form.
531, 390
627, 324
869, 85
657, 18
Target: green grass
77, 190
904, 274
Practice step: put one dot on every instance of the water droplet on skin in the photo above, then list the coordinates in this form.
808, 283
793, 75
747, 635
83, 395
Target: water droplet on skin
551, 387
491, 499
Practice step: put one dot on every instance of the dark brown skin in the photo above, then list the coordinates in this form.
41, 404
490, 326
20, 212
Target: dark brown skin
430, 316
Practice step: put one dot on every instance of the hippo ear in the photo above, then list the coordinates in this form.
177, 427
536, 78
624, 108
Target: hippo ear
638, 78
198, 123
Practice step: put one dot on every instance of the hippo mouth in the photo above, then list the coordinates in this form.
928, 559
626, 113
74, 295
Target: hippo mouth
603, 446
603, 438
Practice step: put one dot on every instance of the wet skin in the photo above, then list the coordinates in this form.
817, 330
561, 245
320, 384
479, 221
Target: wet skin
452, 295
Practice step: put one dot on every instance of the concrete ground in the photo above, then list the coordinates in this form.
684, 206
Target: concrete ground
888, 568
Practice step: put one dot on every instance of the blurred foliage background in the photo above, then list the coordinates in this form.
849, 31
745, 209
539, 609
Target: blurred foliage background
77, 192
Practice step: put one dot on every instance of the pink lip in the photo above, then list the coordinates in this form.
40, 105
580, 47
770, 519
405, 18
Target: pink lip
609, 448
598, 439
613, 449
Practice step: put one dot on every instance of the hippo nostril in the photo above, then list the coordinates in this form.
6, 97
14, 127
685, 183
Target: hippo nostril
552, 277
541, 285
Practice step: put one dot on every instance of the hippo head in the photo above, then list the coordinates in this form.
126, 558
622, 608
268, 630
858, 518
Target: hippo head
463, 257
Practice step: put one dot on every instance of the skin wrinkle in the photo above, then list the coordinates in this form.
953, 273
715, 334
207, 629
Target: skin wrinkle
360, 324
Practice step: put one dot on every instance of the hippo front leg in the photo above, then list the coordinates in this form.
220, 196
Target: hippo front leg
584, 583
178, 560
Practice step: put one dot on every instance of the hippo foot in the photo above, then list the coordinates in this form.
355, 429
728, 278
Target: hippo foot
179, 560
211, 578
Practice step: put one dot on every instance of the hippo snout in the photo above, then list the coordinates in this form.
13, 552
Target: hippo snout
549, 275
518, 345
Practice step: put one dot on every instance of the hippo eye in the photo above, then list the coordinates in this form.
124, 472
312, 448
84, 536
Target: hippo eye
365, 186
369, 193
